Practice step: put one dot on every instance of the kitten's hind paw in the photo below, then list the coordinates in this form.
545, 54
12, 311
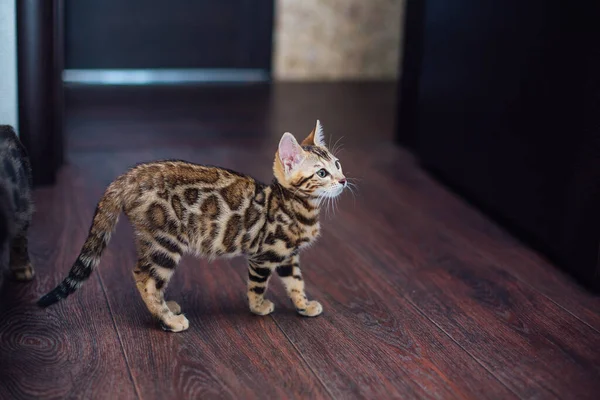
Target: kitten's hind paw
23, 274
313, 308
175, 323
266, 308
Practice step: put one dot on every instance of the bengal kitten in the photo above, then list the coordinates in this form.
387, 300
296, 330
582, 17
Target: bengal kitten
176, 207
16, 206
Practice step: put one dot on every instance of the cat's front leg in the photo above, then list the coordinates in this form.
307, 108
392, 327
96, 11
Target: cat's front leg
291, 276
258, 281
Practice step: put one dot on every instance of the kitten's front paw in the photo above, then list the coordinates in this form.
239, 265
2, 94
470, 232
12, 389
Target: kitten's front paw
266, 308
313, 308
24, 274
175, 323
174, 307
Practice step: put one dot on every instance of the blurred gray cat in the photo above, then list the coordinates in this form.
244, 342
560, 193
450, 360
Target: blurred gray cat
16, 205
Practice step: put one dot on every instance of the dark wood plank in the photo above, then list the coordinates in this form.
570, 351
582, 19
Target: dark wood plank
505, 251
523, 337
227, 351
71, 350
393, 174
420, 291
371, 342
431, 244
530, 343
382, 374
149, 118
473, 230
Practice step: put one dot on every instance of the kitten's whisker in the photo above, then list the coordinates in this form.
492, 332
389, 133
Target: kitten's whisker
332, 207
320, 200
339, 148
353, 185
334, 146
354, 179
336, 204
329, 203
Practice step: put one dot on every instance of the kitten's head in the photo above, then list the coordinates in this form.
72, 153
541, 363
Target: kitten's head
308, 169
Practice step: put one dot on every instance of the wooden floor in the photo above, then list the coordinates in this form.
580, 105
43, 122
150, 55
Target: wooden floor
424, 297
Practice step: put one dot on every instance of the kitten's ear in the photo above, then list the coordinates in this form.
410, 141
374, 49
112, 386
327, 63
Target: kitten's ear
290, 152
316, 137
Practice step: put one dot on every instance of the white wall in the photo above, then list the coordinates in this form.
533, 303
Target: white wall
8, 63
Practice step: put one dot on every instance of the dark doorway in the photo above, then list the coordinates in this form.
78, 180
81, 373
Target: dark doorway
182, 34
499, 100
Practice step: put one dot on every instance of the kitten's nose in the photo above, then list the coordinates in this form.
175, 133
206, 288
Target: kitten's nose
343, 181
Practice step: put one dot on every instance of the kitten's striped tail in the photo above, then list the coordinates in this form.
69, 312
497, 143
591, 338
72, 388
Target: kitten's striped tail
105, 220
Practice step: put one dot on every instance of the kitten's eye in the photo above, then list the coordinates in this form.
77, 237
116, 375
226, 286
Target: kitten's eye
322, 173
338, 165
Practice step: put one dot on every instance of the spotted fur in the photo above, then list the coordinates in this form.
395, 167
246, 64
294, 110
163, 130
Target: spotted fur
177, 207
16, 205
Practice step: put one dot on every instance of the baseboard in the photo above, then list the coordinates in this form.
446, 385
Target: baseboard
162, 76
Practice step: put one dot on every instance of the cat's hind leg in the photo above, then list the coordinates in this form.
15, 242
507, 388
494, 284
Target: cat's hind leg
152, 274
20, 263
258, 280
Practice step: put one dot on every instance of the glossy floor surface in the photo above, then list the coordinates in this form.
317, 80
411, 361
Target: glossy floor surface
424, 297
